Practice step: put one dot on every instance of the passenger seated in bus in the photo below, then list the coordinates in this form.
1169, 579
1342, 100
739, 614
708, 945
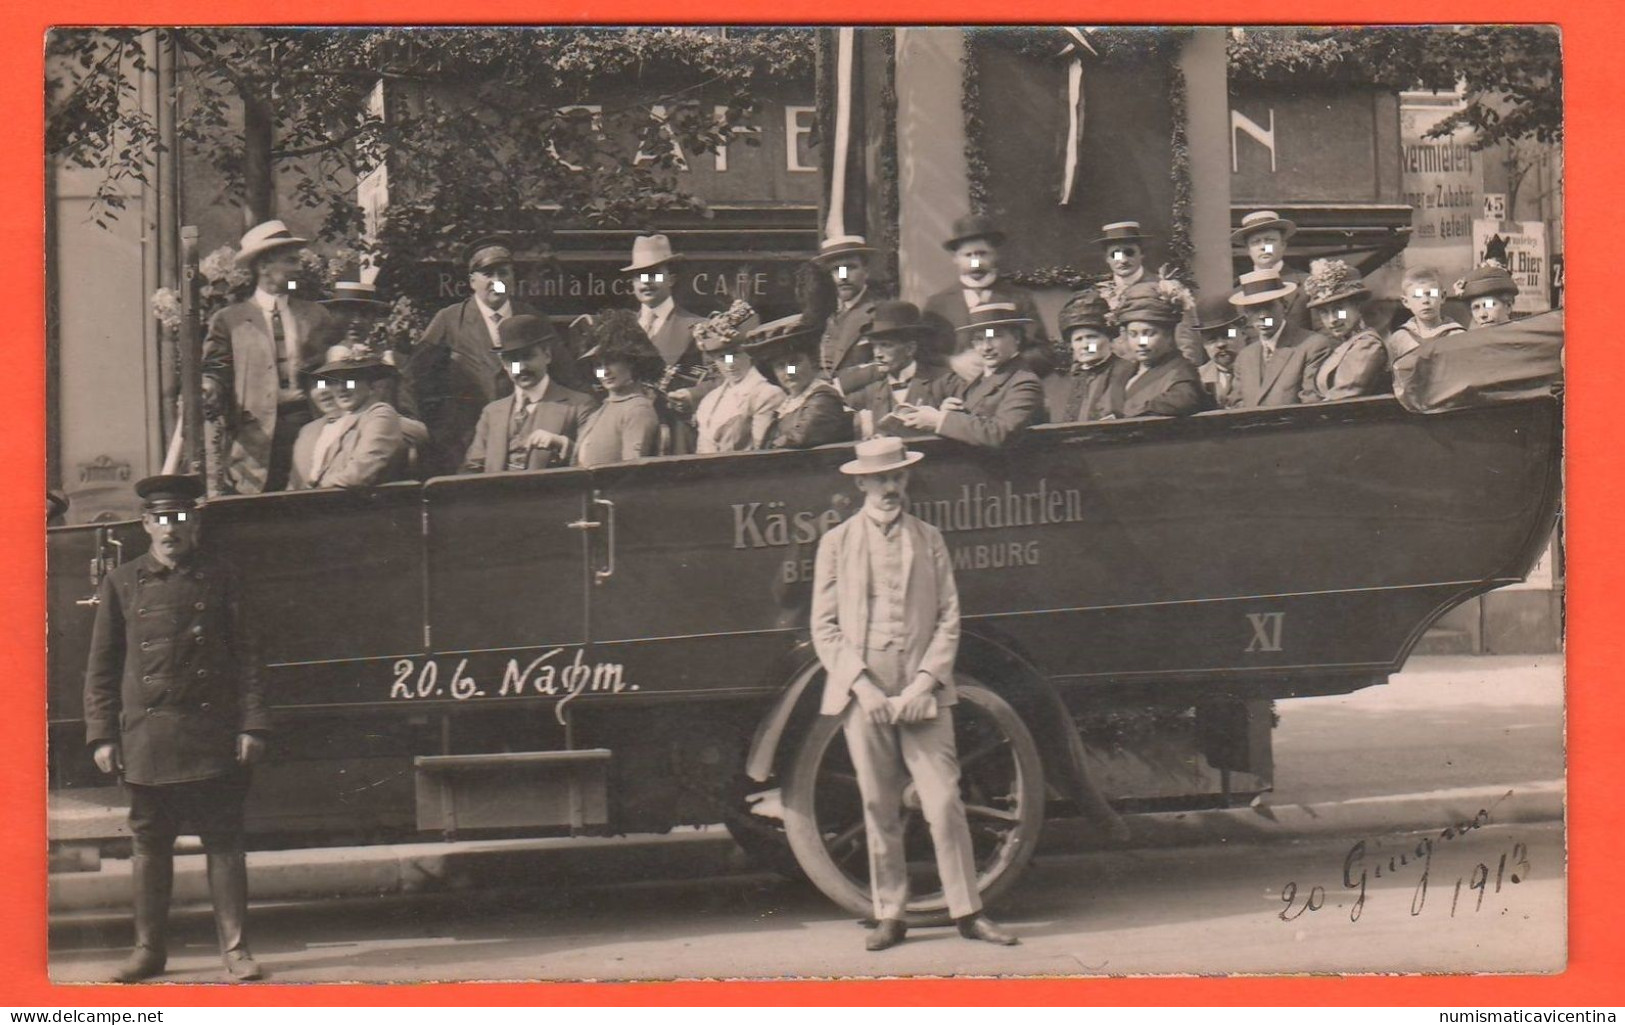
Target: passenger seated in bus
1093, 389
1165, 383
626, 425
1122, 245
536, 426
355, 305
1279, 368
1359, 363
1422, 294
361, 446
734, 416
812, 412
1225, 332
896, 334
1489, 292
1003, 400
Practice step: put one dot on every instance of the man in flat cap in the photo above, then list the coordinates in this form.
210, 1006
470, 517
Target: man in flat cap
975, 244
455, 371
173, 707
254, 355
885, 624
537, 425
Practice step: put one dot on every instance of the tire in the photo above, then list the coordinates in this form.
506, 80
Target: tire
1001, 781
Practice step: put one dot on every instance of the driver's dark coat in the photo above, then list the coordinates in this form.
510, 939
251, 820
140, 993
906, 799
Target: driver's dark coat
173, 676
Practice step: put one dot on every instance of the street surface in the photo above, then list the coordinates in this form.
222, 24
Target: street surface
1493, 901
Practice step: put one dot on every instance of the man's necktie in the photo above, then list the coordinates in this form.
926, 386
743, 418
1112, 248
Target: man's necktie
521, 413
646, 319
279, 336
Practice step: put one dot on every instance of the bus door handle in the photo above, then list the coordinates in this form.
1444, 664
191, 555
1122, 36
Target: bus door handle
109, 556
601, 575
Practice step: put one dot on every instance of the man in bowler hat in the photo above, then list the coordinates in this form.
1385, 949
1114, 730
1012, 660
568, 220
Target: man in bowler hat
975, 245
537, 426
885, 624
173, 707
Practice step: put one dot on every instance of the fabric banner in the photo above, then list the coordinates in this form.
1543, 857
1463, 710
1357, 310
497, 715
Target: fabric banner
1520, 360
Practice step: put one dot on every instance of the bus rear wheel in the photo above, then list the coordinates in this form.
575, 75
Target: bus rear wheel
1001, 782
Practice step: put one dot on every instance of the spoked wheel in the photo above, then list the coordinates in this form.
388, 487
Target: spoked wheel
1001, 781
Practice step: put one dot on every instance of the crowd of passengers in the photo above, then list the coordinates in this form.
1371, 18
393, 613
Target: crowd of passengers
494, 387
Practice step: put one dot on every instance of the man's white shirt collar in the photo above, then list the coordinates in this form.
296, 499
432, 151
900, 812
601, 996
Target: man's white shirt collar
535, 392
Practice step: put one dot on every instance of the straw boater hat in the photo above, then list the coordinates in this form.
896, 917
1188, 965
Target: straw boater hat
1087, 308
615, 335
1487, 279
880, 455
723, 329
1215, 312
650, 251
1258, 220
1152, 302
974, 226
487, 251
896, 321
358, 360
168, 491
356, 297
1261, 286
1330, 281
837, 246
995, 314
266, 238
1121, 231
792, 334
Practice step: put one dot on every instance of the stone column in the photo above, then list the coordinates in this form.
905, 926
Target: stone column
933, 184
1207, 130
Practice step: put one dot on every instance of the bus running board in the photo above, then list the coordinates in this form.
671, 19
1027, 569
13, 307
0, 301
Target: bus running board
514, 790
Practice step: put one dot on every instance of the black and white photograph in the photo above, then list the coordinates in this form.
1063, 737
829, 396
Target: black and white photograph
547, 503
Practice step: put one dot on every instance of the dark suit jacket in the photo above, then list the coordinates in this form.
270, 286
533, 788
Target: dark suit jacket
173, 675
451, 376
1077, 398
997, 407
1171, 388
561, 411
821, 420
845, 329
930, 384
1289, 378
946, 312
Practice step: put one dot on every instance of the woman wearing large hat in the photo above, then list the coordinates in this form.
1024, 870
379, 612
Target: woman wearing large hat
735, 415
812, 412
627, 425
1093, 389
1165, 383
365, 445
1358, 364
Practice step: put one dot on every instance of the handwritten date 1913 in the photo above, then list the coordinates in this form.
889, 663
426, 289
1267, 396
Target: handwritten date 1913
1365, 862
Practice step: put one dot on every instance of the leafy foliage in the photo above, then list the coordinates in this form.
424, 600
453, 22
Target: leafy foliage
482, 128
1512, 75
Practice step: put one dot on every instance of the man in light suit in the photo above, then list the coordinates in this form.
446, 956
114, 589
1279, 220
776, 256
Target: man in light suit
1003, 400
254, 356
365, 444
975, 244
1280, 368
885, 624
895, 334
668, 325
454, 371
535, 427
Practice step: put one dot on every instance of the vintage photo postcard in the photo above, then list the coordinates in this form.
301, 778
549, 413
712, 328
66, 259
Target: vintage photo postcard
560, 503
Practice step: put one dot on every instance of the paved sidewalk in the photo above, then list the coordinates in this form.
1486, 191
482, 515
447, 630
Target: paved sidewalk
1448, 738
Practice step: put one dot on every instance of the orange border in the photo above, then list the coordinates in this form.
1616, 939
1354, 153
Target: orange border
1595, 76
